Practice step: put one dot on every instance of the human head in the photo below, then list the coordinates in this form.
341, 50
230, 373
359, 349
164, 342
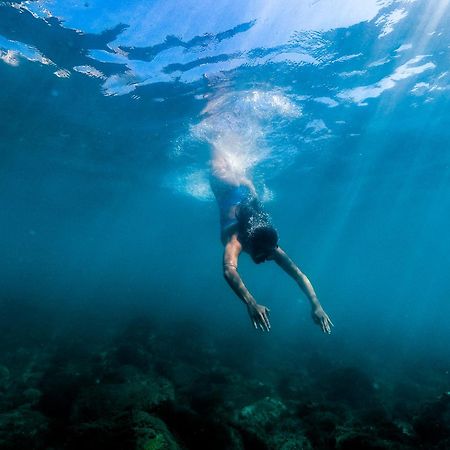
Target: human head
258, 236
263, 242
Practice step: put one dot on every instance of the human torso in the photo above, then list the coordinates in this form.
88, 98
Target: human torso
229, 197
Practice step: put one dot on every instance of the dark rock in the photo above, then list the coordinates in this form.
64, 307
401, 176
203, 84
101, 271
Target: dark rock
432, 424
443, 445
257, 422
320, 423
32, 396
59, 391
151, 433
4, 378
109, 433
253, 441
386, 428
261, 414
23, 428
138, 393
360, 440
207, 401
290, 441
136, 431
197, 431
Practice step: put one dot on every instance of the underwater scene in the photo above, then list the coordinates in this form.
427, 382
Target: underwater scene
225, 224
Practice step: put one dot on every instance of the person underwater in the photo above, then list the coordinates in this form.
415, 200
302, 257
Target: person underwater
246, 227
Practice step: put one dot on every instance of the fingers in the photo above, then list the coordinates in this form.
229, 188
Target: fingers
325, 323
322, 319
327, 327
261, 322
265, 318
329, 322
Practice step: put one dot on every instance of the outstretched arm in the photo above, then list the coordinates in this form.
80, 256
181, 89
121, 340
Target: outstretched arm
318, 314
258, 313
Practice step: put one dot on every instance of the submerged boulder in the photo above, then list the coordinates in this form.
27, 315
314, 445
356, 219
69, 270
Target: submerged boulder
257, 423
137, 430
5, 378
358, 440
261, 413
22, 428
290, 441
152, 433
320, 422
32, 396
198, 431
432, 424
106, 400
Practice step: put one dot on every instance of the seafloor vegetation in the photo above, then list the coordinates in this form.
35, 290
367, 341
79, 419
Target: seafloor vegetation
147, 386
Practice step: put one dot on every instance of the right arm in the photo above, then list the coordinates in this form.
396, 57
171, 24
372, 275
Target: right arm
258, 313
318, 314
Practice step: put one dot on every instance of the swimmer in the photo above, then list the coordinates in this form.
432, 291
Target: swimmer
245, 226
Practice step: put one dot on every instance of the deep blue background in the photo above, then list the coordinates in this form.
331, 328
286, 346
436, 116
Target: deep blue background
93, 224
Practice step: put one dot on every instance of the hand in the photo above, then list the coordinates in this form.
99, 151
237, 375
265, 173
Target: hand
259, 316
321, 318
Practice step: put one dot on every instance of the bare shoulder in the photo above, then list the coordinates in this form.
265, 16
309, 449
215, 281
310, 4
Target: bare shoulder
233, 244
232, 251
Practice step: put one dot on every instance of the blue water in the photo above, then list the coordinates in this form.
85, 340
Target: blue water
338, 110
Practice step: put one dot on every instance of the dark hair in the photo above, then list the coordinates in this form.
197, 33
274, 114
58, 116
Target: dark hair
256, 231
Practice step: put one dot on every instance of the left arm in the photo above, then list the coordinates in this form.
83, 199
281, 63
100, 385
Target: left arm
318, 314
